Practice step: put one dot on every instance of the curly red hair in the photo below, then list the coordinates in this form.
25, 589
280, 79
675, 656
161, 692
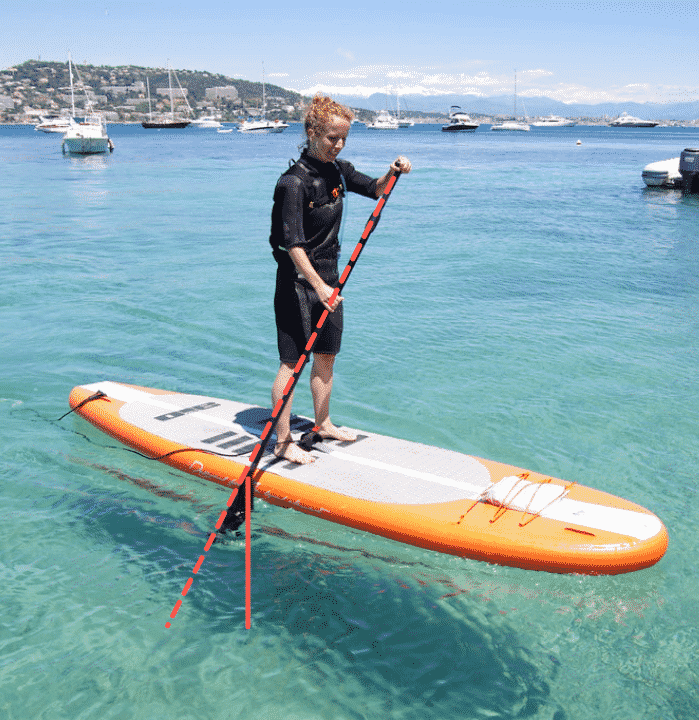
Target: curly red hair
321, 110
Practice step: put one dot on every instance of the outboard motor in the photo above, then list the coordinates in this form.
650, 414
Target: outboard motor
689, 169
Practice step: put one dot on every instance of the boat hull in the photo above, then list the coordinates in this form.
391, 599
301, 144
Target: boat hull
459, 127
86, 146
511, 127
665, 173
165, 125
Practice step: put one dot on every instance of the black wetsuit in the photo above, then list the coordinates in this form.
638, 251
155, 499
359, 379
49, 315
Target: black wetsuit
307, 213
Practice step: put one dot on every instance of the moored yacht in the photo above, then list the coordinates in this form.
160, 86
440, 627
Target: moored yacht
459, 121
626, 120
165, 122
53, 123
88, 136
383, 121
512, 123
263, 125
554, 121
208, 121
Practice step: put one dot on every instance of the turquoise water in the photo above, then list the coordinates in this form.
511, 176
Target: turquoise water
524, 299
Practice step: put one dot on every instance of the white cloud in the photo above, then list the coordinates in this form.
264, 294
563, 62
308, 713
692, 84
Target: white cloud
347, 54
366, 80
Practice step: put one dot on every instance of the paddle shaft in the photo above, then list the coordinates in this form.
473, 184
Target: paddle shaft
237, 508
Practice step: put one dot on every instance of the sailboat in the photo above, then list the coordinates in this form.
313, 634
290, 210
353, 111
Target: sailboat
88, 136
384, 120
164, 122
262, 125
402, 122
513, 124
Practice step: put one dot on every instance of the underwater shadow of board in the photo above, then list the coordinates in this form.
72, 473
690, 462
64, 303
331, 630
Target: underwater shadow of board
460, 659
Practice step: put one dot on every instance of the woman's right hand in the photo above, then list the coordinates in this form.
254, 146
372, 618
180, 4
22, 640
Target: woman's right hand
325, 292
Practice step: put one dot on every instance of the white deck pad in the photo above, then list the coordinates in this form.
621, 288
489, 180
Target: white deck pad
375, 467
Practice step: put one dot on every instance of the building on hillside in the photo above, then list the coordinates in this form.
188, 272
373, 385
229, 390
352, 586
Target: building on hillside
227, 92
176, 92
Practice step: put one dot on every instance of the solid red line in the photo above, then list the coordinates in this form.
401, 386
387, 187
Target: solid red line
248, 578
356, 252
178, 604
345, 274
277, 408
379, 206
299, 366
210, 542
323, 318
195, 569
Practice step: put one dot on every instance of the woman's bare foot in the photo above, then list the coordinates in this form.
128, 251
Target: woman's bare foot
328, 431
289, 450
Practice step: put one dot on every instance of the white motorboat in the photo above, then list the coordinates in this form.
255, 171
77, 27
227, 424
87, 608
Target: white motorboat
664, 173
88, 136
263, 125
208, 121
459, 121
554, 121
512, 124
628, 121
53, 123
383, 121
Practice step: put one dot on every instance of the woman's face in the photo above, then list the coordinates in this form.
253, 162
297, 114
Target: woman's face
325, 144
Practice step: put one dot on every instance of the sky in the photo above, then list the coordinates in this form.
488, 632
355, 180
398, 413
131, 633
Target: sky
574, 52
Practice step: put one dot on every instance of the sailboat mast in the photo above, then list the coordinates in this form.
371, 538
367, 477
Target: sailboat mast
169, 82
515, 94
72, 97
264, 97
150, 109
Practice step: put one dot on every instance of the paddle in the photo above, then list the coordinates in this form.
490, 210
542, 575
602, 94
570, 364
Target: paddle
239, 508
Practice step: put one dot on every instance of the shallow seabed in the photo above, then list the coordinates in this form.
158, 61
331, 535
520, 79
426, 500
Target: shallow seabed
524, 299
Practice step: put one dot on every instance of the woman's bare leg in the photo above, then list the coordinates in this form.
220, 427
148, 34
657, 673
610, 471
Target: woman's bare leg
285, 447
321, 389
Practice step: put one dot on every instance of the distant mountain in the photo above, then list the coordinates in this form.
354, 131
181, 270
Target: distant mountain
534, 106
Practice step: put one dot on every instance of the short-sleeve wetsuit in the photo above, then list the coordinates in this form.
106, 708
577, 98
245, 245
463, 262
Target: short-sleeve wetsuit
307, 213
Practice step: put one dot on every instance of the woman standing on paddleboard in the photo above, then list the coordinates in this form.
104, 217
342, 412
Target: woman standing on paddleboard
306, 219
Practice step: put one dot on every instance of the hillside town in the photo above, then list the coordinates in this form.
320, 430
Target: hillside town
128, 94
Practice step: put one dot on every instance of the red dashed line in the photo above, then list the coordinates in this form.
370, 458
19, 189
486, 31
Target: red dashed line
245, 477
